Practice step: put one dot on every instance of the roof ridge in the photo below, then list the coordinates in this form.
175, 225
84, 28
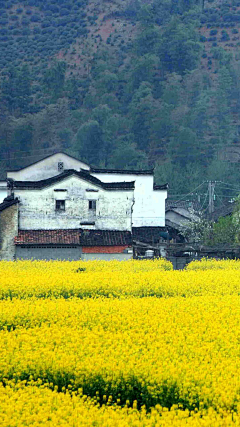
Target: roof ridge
123, 171
81, 174
7, 202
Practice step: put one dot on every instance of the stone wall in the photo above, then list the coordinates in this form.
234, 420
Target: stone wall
8, 231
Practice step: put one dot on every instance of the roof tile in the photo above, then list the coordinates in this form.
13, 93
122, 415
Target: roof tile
83, 175
7, 202
74, 237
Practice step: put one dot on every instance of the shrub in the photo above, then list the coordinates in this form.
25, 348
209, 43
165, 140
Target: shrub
213, 32
3, 21
25, 21
225, 36
14, 17
35, 18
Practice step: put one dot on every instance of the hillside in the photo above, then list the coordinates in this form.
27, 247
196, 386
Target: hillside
124, 83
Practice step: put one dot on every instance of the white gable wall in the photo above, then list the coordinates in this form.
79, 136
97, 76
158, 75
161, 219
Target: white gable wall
149, 205
37, 207
3, 190
47, 168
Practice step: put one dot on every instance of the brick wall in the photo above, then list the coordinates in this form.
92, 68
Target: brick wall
8, 230
103, 249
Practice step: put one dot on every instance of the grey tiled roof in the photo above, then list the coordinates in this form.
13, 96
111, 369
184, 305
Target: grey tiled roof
223, 211
84, 175
123, 171
149, 234
186, 204
7, 202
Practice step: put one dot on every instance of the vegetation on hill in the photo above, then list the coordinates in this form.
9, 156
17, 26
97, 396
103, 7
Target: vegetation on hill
136, 83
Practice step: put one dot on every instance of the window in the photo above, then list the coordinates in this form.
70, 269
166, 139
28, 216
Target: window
92, 205
60, 166
60, 205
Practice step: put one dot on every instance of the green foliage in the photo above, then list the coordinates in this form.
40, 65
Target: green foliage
54, 79
179, 49
140, 104
223, 232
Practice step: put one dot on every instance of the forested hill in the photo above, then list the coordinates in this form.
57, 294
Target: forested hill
123, 84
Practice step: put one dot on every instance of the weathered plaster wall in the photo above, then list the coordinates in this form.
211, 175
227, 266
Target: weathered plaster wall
37, 207
8, 231
149, 206
73, 253
49, 253
47, 168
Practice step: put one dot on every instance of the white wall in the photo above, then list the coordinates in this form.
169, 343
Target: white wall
37, 207
47, 168
149, 206
3, 190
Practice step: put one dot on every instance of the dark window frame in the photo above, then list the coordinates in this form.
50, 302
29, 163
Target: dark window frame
60, 205
92, 205
60, 166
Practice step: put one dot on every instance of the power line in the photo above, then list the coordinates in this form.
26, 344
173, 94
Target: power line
204, 201
191, 193
229, 185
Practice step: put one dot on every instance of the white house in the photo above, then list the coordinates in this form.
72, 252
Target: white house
74, 200
149, 199
68, 210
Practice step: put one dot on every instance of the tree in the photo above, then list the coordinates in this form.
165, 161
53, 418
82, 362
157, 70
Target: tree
88, 143
127, 156
54, 79
225, 231
179, 48
142, 109
16, 91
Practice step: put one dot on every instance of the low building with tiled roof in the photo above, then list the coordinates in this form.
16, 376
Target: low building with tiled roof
74, 244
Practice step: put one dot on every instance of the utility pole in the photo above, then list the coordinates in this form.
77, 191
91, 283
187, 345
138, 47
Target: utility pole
211, 187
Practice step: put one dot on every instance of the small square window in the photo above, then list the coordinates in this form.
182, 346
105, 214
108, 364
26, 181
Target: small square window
60, 205
60, 166
92, 205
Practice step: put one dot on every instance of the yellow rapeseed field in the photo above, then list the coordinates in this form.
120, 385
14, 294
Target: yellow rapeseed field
119, 344
207, 264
